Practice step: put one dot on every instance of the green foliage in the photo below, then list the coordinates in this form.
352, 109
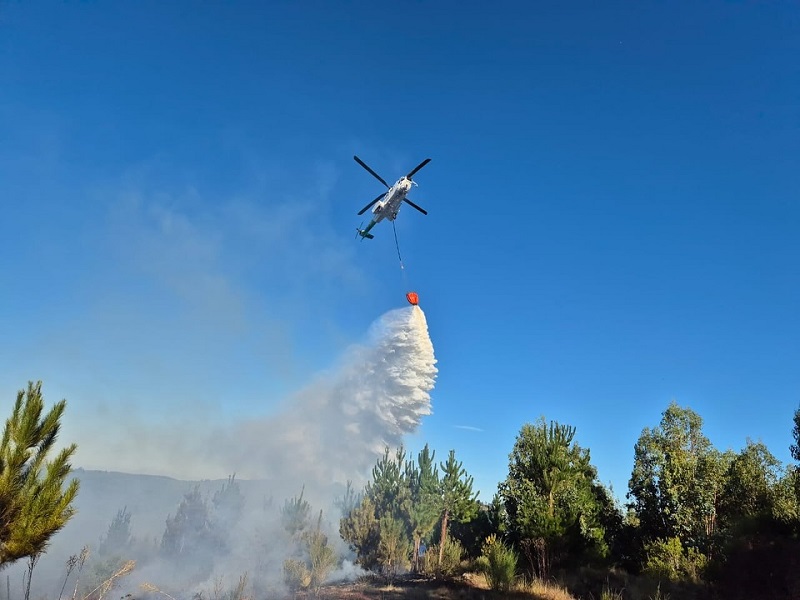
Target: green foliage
361, 530
795, 448
554, 507
677, 479
785, 500
499, 563
322, 557
35, 503
443, 560
421, 506
388, 490
473, 534
457, 501
666, 559
750, 485
395, 547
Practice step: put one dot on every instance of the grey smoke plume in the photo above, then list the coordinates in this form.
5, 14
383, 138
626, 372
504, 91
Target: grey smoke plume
327, 434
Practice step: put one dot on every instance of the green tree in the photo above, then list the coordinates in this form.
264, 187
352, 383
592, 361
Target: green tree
361, 530
321, 555
422, 506
390, 493
499, 563
795, 450
395, 547
677, 480
388, 488
457, 501
553, 504
749, 486
35, 503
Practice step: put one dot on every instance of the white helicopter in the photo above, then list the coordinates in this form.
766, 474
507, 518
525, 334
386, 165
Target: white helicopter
388, 203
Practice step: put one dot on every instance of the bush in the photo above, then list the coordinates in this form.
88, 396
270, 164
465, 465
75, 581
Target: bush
451, 559
498, 563
665, 559
296, 574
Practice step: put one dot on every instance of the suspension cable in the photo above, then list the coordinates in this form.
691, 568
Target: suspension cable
397, 245
400, 258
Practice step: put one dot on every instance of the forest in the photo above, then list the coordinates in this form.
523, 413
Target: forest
696, 522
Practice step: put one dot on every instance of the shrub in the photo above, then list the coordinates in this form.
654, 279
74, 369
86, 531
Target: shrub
498, 563
665, 559
451, 559
296, 574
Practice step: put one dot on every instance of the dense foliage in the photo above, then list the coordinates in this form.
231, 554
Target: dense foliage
694, 514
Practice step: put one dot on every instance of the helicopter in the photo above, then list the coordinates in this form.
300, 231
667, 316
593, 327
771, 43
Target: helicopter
387, 204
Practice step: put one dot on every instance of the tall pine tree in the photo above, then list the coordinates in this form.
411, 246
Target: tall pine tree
422, 502
457, 501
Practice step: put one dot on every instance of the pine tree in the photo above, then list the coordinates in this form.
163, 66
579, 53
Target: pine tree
189, 537
554, 508
118, 537
361, 530
422, 503
457, 502
34, 502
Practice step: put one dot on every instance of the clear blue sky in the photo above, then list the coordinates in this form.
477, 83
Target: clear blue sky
613, 199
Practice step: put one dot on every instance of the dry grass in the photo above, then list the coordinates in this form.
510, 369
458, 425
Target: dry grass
543, 590
471, 586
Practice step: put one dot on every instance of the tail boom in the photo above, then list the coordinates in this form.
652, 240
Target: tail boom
364, 233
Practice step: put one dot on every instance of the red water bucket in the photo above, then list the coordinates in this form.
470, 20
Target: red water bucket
412, 298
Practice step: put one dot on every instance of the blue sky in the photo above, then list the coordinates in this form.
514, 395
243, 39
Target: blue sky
613, 211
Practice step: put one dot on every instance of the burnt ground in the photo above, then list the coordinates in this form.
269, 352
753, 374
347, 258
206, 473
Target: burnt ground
410, 587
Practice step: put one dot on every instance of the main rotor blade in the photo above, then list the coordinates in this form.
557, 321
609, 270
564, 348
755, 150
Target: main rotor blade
418, 167
374, 174
363, 210
420, 209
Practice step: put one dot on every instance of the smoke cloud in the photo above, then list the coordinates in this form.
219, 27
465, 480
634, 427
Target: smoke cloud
333, 430
325, 435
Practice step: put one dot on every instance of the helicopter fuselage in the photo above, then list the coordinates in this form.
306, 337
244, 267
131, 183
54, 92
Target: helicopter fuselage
388, 206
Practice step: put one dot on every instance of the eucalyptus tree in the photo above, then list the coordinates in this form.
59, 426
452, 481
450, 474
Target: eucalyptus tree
677, 480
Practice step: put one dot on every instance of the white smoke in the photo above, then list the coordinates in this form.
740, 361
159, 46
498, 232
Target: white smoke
327, 434
333, 430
